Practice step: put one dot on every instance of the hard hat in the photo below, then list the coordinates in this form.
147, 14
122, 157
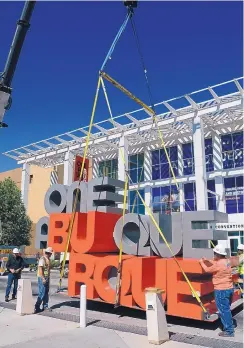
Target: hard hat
49, 250
15, 251
240, 247
219, 249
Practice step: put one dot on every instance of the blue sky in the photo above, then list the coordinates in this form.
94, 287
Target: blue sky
187, 46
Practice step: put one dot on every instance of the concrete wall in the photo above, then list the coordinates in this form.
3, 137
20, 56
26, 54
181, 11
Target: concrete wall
14, 174
39, 184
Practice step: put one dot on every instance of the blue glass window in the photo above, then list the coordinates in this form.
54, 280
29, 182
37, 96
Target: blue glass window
234, 194
135, 204
209, 155
232, 150
136, 167
109, 168
211, 196
160, 165
165, 199
190, 196
188, 159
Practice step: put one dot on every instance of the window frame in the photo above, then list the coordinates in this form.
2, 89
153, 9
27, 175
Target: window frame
138, 203
172, 189
113, 172
162, 165
137, 172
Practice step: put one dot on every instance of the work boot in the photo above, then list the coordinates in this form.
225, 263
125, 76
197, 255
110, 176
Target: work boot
226, 334
14, 297
37, 310
6, 299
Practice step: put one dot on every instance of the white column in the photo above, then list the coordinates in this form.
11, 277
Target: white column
219, 181
95, 167
25, 181
24, 297
220, 192
157, 328
68, 168
123, 164
181, 197
147, 165
180, 174
148, 199
147, 177
122, 158
217, 151
83, 304
180, 160
200, 164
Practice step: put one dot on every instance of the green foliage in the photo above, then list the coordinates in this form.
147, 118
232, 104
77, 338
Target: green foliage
15, 226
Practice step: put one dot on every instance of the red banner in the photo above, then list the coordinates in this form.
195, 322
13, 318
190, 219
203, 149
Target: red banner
77, 170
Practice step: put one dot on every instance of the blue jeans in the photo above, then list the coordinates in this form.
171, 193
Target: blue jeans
12, 278
43, 291
223, 299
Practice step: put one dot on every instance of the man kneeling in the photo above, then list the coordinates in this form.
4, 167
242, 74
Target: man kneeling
43, 276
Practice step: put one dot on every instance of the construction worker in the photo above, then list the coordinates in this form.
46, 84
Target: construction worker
15, 265
240, 253
43, 276
220, 267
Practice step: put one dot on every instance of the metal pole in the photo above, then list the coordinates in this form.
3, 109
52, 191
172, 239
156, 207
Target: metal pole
83, 306
22, 26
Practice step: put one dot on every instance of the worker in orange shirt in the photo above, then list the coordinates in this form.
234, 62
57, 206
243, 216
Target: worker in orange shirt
220, 267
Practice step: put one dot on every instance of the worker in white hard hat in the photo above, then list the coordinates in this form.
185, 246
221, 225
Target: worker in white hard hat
15, 265
43, 276
220, 267
240, 253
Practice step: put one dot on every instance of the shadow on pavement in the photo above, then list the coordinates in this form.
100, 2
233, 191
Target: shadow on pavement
140, 314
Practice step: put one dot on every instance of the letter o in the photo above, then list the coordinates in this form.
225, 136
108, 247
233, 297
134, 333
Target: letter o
136, 233
56, 199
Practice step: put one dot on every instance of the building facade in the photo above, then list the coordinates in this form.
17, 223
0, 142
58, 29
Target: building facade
39, 180
202, 134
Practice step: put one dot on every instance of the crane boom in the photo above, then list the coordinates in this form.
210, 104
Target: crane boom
7, 76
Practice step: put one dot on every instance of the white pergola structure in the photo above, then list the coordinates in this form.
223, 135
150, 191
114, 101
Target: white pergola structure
209, 112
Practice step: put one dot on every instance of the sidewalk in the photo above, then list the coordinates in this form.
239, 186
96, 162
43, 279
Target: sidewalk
39, 331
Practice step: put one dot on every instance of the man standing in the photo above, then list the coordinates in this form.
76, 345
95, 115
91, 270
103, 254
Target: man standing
43, 276
240, 253
15, 265
220, 267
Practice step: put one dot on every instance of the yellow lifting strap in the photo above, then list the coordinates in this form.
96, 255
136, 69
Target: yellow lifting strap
148, 109
128, 93
118, 280
124, 90
241, 290
112, 120
194, 293
71, 223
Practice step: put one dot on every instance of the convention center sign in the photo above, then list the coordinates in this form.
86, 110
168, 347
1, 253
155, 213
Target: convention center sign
146, 261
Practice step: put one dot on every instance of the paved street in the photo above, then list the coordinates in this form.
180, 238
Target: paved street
127, 322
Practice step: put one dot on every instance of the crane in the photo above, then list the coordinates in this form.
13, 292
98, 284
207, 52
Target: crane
8, 73
6, 77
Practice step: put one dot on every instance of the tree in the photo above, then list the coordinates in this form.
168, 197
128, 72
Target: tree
15, 224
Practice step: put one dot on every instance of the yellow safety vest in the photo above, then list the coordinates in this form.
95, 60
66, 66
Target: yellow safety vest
46, 268
241, 267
